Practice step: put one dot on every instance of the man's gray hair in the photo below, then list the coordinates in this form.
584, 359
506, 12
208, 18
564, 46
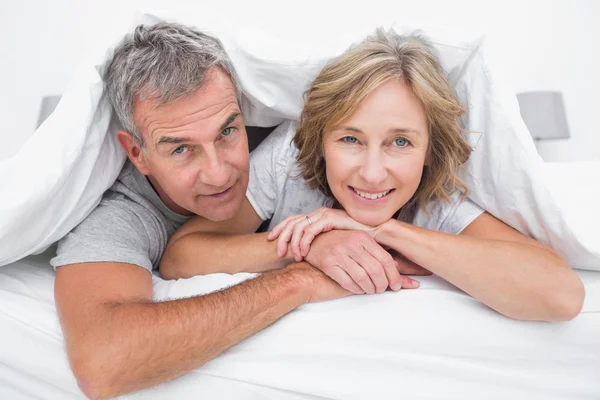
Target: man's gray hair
166, 61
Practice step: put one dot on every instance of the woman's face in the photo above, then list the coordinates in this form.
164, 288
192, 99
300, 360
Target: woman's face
374, 159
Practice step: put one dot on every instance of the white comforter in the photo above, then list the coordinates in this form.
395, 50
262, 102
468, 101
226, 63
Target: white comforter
433, 342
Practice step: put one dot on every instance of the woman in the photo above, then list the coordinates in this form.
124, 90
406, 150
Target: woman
377, 149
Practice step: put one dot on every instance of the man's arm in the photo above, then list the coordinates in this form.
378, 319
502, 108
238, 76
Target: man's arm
203, 247
119, 341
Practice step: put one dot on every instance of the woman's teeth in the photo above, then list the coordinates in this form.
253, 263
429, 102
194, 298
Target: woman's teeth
371, 196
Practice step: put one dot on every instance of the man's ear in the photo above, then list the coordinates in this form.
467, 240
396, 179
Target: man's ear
133, 151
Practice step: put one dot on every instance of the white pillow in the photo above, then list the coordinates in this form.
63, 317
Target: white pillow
575, 188
80, 156
506, 174
59, 175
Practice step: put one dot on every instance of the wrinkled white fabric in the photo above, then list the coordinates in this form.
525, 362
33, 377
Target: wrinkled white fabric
81, 158
432, 342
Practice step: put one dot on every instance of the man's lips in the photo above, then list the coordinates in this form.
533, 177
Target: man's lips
220, 194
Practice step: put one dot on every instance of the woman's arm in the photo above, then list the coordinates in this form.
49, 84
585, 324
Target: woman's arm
511, 273
203, 247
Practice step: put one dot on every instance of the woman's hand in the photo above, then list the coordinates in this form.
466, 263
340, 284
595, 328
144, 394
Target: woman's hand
296, 232
354, 260
358, 263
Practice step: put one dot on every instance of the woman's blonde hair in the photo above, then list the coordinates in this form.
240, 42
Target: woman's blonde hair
340, 87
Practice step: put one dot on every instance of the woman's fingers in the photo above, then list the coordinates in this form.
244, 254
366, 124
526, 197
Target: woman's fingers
284, 238
310, 232
297, 234
276, 231
312, 223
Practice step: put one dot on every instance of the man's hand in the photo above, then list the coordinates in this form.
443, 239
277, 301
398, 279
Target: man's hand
358, 263
407, 267
319, 287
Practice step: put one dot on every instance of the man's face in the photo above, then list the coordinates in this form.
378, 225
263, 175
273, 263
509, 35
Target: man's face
196, 149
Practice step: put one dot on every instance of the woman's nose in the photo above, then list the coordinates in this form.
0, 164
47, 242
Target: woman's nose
373, 170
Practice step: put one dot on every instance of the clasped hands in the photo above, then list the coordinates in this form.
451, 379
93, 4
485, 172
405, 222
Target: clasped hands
345, 250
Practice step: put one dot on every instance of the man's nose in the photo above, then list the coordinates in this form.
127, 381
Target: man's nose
215, 171
373, 171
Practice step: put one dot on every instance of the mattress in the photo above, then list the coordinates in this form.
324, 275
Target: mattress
433, 342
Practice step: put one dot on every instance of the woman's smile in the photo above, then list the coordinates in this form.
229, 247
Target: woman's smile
371, 196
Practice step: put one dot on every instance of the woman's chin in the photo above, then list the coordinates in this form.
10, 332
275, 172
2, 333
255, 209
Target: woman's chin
371, 219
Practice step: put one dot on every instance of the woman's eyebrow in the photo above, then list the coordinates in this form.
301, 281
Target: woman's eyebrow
390, 131
348, 128
405, 130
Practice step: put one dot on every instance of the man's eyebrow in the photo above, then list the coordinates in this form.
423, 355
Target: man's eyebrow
229, 120
172, 140
178, 140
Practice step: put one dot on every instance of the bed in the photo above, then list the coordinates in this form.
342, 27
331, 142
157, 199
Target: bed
433, 342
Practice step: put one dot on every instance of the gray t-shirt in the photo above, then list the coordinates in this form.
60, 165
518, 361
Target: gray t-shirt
130, 225
276, 191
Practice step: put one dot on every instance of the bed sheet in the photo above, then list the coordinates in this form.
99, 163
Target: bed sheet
433, 342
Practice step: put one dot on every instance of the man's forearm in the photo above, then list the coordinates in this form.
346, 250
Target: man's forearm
206, 253
131, 346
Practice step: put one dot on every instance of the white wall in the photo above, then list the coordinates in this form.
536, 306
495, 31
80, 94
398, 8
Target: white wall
543, 45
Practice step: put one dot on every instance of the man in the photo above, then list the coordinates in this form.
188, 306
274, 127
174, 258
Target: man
177, 97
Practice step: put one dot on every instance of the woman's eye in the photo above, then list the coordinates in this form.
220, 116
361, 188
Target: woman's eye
401, 142
350, 139
180, 150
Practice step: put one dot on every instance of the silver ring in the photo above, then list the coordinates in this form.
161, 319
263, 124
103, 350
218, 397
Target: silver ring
309, 221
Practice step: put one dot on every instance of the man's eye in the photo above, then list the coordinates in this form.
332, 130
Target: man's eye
180, 150
227, 131
350, 139
401, 142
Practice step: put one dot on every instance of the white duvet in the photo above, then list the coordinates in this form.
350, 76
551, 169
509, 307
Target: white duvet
433, 342
81, 157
